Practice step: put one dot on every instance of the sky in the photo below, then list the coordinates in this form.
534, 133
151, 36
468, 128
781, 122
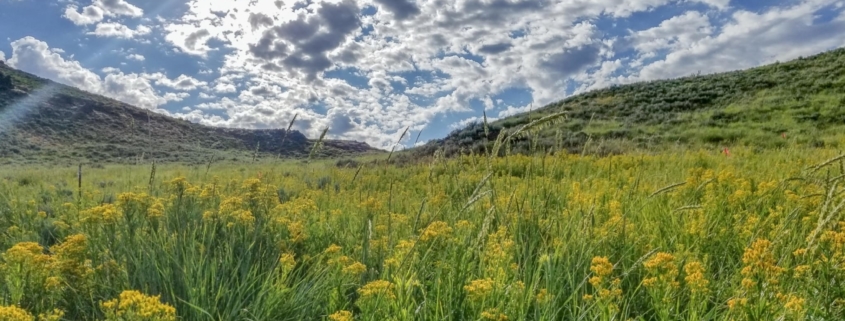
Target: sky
368, 69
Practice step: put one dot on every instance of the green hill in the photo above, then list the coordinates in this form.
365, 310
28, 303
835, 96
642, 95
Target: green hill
801, 101
43, 121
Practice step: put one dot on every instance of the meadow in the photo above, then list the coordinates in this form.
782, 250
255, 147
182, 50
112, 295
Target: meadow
678, 234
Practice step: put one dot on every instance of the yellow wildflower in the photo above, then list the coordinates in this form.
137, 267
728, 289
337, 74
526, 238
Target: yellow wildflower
695, 279
463, 225
601, 266
435, 230
341, 315
801, 270
106, 213
479, 289
55, 315
543, 296
13, 313
737, 302
156, 210
355, 269
493, 314
334, 248
287, 261
132, 305
371, 204
793, 303
53, 284
379, 288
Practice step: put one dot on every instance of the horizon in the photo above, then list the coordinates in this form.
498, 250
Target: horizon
369, 69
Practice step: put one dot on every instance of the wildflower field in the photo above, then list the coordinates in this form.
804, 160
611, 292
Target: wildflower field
694, 235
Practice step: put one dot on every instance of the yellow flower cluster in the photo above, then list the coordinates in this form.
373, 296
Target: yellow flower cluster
355, 269
543, 296
662, 270
493, 314
341, 315
759, 264
696, 280
371, 204
71, 259
435, 230
736, 303
231, 212
134, 305
156, 210
13, 313
497, 250
55, 315
479, 289
401, 253
792, 303
378, 288
287, 261
103, 214
33, 276
602, 269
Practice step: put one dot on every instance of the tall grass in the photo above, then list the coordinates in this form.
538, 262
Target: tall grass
681, 234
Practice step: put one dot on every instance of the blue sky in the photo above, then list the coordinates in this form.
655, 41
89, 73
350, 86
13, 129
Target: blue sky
367, 69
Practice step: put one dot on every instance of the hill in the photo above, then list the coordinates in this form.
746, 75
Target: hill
801, 101
41, 120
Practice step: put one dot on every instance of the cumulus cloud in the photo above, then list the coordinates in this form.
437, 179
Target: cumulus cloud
299, 45
89, 15
183, 82
750, 39
2, 56
187, 40
35, 56
401, 9
720, 4
136, 57
114, 29
99, 9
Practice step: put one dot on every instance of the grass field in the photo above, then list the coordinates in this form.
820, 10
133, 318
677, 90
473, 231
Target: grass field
695, 235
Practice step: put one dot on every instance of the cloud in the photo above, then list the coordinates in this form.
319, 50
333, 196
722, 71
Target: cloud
113, 29
2, 56
135, 90
99, 9
258, 20
299, 46
89, 15
136, 57
750, 39
119, 8
495, 48
183, 82
187, 40
720, 4
570, 61
401, 9
35, 56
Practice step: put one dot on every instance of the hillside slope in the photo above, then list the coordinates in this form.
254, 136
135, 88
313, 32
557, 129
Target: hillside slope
41, 120
801, 101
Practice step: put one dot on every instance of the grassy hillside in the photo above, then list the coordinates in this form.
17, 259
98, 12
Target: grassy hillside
799, 102
44, 121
